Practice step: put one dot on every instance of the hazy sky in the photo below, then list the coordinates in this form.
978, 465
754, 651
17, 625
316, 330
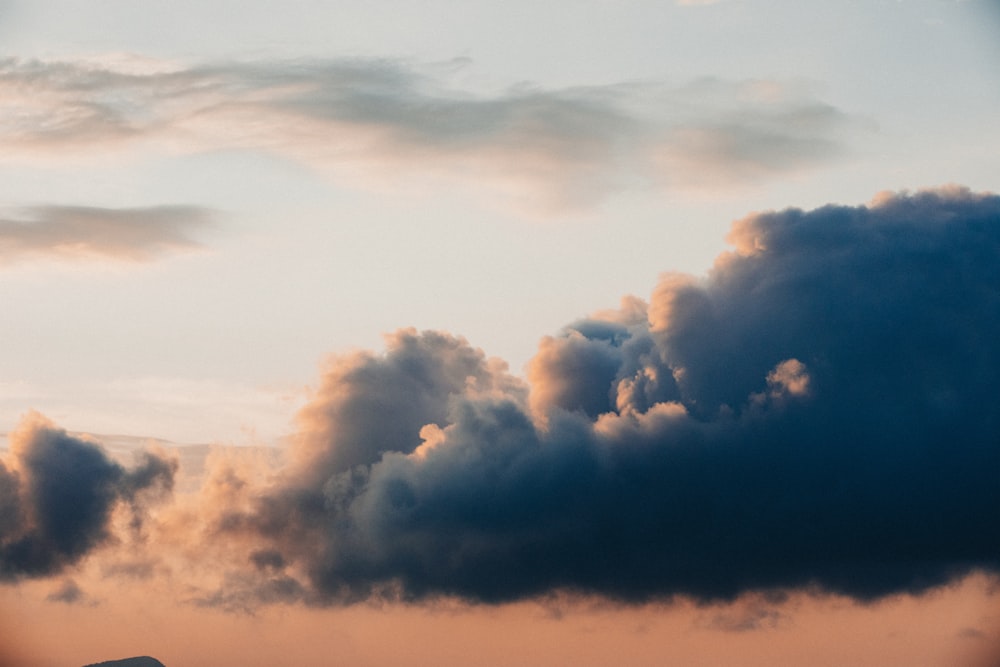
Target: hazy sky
647, 326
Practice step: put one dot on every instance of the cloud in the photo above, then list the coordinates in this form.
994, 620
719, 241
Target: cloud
548, 150
747, 615
415, 379
58, 494
971, 633
69, 592
131, 234
816, 414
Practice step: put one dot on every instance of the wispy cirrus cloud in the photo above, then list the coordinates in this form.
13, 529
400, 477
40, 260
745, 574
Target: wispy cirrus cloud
82, 232
547, 149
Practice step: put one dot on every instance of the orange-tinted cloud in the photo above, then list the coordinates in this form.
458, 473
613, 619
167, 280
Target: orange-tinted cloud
80, 232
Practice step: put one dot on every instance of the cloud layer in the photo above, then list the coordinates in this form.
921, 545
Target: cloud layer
815, 414
549, 149
58, 494
131, 234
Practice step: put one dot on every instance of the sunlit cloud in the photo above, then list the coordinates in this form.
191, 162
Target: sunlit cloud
368, 122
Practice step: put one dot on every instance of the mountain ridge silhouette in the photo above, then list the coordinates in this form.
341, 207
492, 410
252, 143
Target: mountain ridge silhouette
138, 661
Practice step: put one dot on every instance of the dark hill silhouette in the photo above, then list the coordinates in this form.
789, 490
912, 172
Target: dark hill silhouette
141, 661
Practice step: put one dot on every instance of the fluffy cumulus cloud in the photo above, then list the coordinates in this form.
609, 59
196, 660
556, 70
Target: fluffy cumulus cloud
548, 149
58, 494
131, 234
817, 413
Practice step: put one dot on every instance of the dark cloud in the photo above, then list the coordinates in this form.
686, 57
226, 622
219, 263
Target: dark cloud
57, 495
245, 593
133, 234
817, 413
552, 149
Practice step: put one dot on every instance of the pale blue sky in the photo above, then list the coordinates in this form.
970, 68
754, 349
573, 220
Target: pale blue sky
492, 169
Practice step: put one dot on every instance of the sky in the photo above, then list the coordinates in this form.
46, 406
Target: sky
455, 332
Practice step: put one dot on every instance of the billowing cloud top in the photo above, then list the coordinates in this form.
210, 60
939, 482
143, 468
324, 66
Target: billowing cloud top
131, 234
817, 413
551, 149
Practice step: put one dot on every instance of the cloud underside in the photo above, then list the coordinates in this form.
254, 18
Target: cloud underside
816, 414
79, 232
548, 149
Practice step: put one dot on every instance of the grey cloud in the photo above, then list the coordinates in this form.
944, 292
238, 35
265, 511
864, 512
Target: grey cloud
971, 633
556, 148
597, 366
131, 234
747, 616
57, 495
245, 594
817, 413
133, 569
746, 147
69, 592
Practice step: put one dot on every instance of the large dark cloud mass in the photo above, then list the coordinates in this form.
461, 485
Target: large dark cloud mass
819, 412
57, 496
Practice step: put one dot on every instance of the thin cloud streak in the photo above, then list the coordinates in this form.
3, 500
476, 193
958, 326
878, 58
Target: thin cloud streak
83, 232
547, 150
